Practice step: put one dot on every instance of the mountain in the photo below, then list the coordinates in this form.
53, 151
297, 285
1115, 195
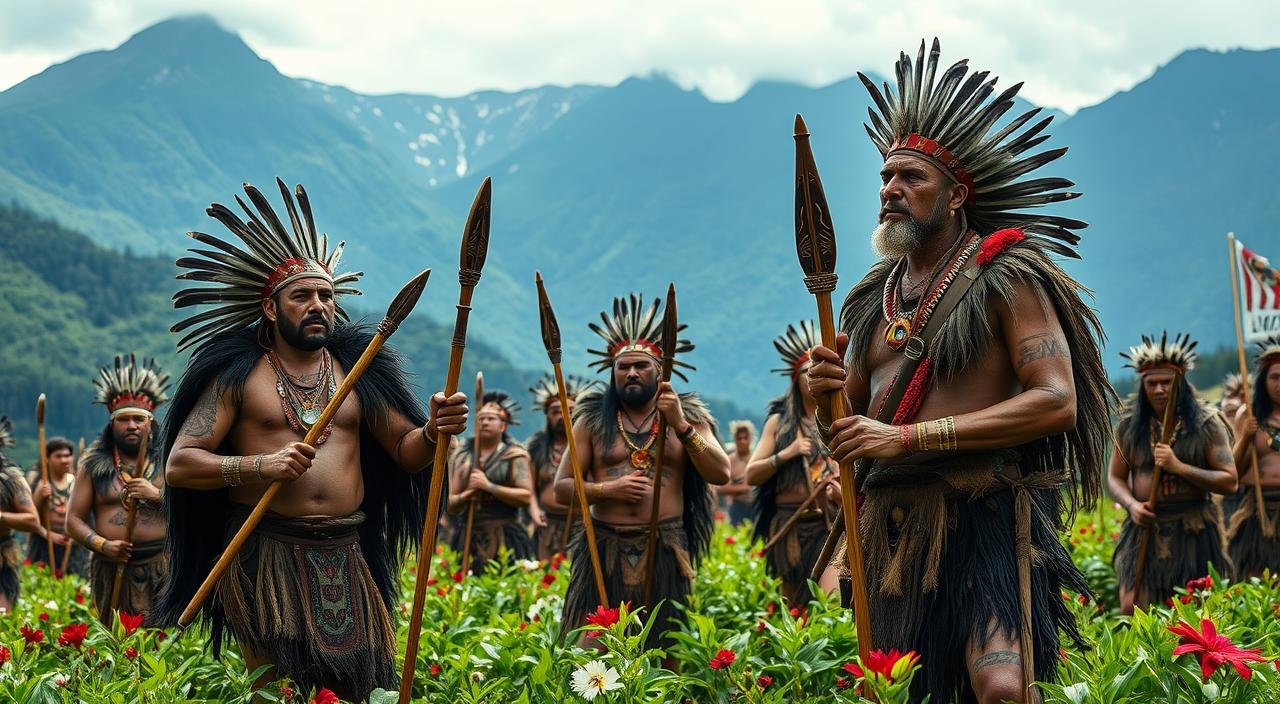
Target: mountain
612, 189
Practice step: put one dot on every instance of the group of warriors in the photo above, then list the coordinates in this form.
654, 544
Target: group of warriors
972, 407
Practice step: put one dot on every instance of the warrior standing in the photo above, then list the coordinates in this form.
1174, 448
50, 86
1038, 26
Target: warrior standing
1185, 530
735, 497
17, 512
114, 480
1253, 544
977, 354
313, 590
546, 449
499, 485
616, 430
790, 462
52, 501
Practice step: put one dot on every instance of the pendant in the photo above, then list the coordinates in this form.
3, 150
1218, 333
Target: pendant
897, 333
310, 415
640, 459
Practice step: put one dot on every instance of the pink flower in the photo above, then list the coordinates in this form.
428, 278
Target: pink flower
325, 696
723, 659
1214, 649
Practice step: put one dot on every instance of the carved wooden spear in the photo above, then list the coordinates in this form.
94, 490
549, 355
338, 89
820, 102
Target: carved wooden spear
816, 247
130, 523
475, 246
1167, 428
66, 549
551, 340
475, 462
396, 313
44, 477
669, 334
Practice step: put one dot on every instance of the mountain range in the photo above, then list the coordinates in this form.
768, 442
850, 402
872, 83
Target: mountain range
613, 189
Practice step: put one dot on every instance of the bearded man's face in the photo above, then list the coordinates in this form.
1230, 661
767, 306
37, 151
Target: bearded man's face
127, 430
915, 198
635, 376
303, 313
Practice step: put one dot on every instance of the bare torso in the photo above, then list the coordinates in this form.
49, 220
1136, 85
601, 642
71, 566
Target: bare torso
333, 486
546, 480
1268, 458
110, 514
615, 461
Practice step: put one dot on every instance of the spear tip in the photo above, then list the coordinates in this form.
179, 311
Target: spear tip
40, 410
403, 303
801, 129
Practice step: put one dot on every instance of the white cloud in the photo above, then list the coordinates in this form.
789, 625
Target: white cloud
1069, 54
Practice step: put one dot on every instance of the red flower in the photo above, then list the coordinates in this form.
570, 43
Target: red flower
131, 622
31, 635
432, 582
730, 540
26, 563
457, 576
4, 655
79, 598
548, 579
131, 652
890, 665
1214, 649
1200, 584
853, 669
557, 560
842, 683
764, 681
997, 242
43, 616
602, 617
325, 696
1185, 598
73, 635
161, 635
723, 659
286, 693
441, 591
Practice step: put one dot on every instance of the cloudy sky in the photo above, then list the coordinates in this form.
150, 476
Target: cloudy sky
1070, 53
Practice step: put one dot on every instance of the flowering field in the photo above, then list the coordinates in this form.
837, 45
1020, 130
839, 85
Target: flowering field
497, 638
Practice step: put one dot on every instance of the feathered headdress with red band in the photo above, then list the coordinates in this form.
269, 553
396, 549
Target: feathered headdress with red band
949, 121
273, 257
502, 403
131, 387
1269, 351
794, 346
545, 392
1177, 355
634, 328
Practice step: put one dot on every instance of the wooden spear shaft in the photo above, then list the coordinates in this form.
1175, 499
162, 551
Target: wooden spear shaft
475, 246
1167, 424
475, 462
1259, 504
44, 477
660, 446
130, 523
66, 549
400, 307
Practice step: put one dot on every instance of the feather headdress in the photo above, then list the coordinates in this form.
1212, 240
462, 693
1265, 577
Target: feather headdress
131, 387
6, 432
501, 403
738, 425
274, 258
1178, 355
794, 346
947, 122
545, 391
1269, 351
634, 328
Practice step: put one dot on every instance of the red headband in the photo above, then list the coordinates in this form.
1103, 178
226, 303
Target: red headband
1163, 365
641, 345
939, 155
290, 269
127, 400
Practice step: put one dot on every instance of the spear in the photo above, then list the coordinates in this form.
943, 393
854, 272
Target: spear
669, 334
475, 245
44, 477
816, 247
130, 523
475, 457
551, 340
399, 309
1167, 424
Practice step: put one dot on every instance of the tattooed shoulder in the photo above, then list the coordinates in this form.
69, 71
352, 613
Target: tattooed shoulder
1040, 346
200, 422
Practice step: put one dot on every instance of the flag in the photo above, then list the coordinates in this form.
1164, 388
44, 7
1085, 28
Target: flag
1259, 294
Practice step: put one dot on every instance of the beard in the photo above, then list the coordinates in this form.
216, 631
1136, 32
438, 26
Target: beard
297, 339
637, 395
901, 237
125, 444
555, 428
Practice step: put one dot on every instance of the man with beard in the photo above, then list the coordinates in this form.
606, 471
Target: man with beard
546, 449
735, 497
976, 397
1251, 549
313, 589
17, 512
615, 431
114, 479
499, 486
52, 501
788, 464
1185, 528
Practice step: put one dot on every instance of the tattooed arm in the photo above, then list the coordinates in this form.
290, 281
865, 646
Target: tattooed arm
521, 487
20, 514
1219, 477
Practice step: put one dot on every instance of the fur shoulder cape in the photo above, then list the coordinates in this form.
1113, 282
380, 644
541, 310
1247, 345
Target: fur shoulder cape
394, 501
99, 464
967, 336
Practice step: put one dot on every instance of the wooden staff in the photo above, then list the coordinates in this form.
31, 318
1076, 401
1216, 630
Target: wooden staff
130, 523
569, 514
816, 247
475, 463
66, 549
396, 313
551, 340
795, 517
1268, 529
669, 334
1166, 437
475, 246
44, 477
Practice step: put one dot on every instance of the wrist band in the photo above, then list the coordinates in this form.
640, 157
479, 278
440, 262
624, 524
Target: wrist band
904, 438
773, 461
230, 467
257, 467
693, 443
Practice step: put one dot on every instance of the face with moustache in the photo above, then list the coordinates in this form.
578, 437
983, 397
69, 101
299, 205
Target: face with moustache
555, 418
127, 430
915, 203
635, 377
303, 313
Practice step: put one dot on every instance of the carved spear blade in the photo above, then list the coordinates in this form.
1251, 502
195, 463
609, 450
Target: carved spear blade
669, 333
547, 317
475, 236
396, 313
815, 234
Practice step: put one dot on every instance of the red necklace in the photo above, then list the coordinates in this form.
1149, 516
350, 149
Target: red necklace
903, 325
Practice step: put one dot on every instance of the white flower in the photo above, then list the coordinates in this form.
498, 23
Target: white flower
1076, 692
529, 565
593, 678
51, 605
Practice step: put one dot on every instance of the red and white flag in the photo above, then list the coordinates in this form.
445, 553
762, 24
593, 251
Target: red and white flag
1259, 294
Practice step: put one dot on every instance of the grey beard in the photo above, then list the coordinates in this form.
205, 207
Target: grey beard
894, 239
